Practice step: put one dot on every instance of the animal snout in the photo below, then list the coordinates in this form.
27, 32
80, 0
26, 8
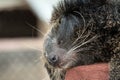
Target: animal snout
56, 57
53, 59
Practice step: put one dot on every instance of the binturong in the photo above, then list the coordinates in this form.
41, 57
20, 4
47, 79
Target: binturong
83, 32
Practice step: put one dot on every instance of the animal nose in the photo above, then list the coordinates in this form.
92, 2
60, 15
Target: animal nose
53, 59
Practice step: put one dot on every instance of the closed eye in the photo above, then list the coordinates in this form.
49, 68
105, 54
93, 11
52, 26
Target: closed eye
60, 42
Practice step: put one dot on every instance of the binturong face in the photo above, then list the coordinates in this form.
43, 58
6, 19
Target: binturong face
71, 42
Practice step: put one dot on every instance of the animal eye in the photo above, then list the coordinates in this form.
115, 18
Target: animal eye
60, 42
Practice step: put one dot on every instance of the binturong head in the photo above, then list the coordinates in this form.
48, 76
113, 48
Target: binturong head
77, 34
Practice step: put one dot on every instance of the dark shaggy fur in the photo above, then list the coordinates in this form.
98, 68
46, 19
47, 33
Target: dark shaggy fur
83, 32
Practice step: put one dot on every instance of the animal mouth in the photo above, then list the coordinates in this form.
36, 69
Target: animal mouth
62, 64
67, 62
65, 65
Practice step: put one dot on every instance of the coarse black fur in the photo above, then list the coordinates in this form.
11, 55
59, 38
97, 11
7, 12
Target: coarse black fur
83, 32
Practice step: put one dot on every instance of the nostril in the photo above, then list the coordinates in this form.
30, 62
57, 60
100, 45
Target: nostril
53, 59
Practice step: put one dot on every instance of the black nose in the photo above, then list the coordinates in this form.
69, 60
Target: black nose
53, 59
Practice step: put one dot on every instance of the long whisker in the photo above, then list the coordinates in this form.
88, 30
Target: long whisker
81, 16
82, 35
90, 48
83, 29
82, 49
79, 37
29, 46
85, 43
43, 34
86, 36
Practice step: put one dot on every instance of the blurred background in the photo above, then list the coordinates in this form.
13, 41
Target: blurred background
23, 24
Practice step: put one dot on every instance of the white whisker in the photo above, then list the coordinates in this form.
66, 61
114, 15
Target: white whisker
43, 34
79, 37
29, 46
84, 43
83, 29
81, 16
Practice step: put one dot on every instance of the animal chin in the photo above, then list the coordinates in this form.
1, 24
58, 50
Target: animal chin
67, 62
65, 65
